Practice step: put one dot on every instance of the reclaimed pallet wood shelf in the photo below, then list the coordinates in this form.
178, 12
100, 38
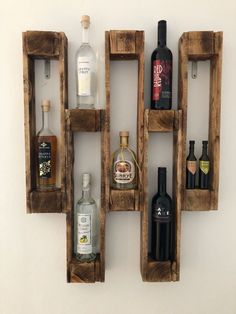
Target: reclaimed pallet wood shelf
43, 45
81, 120
198, 46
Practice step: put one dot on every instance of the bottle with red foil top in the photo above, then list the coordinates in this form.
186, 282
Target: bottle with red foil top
161, 72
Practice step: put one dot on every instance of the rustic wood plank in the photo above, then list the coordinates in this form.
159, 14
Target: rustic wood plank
200, 45
158, 271
41, 44
122, 42
124, 200
85, 120
86, 272
46, 201
200, 200
162, 120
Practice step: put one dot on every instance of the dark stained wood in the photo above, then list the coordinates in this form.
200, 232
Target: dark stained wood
86, 272
46, 201
126, 200
202, 46
85, 120
158, 271
162, 120
45, 45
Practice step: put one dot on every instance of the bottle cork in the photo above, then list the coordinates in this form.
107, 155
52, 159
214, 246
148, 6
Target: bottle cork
124, 133
46, 105
85, 21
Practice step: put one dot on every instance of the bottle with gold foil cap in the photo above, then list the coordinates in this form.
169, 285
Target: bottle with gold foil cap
124, 169
46, 150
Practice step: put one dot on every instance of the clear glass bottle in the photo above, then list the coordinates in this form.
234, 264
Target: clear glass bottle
46, 151
124, 169
85, 224
86, 70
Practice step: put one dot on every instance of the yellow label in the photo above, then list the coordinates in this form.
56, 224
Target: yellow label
204, 166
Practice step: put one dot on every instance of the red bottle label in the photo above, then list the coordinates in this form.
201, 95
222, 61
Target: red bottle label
162, 72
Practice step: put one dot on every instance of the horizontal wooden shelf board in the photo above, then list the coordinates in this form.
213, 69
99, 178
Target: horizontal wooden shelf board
85, 120
49, 201
163, 120
199, 200
86, 272
158, 271
124, 200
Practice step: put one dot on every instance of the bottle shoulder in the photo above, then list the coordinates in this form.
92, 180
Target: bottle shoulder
83, 201
162, 53
85, 50
45, 132
121, 154
158, 198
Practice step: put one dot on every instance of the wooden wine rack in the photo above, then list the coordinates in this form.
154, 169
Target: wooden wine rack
123, 45
43, 45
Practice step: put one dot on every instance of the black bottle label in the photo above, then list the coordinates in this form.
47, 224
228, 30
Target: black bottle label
44, 158
161, 214
162, 73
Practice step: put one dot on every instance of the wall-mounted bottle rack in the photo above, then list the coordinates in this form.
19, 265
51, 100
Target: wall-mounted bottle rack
123, 45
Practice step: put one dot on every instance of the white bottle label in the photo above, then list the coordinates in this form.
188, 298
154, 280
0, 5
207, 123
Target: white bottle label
84, 76
84, 245
124, 171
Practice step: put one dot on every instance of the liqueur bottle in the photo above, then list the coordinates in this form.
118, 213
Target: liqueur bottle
86, 70
46, 148
124, 169
85, 224
204, 167
161, 72
162, 221
191, 167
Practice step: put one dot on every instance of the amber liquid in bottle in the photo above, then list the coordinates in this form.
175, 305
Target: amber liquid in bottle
46, 148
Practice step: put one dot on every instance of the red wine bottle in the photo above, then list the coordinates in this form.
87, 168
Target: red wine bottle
162, 217
204, 167
191, 167
161, 72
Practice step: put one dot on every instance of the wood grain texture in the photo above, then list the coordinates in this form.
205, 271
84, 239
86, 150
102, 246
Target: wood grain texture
158, 271
46, 201
162, 120
124, 200
85, 120
86, 272
202, 46
46, 45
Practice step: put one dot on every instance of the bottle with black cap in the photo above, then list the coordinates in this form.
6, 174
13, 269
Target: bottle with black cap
161, 72
204, 167
162, 221
191, 167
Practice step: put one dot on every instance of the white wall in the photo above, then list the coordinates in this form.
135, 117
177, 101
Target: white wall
33, 247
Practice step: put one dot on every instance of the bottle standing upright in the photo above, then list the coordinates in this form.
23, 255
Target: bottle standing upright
86, 70
85, 224
161, 72
204, 167
191, 167
162, 221
46, 150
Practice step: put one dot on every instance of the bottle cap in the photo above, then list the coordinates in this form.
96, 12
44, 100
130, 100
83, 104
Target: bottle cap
124, 133
86, 180
191, 142
46, 105
85, 21
162, 23
162, 169
204, 142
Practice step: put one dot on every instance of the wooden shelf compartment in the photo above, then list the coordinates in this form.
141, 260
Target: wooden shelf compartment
198, 46
124, 200
160, 271
162, 120
43, 45
86, 272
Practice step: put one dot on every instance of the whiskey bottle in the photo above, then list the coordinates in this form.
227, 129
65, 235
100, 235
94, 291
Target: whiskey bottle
85, 224
124, 169
191, 167
86, 70
204, 167
46, 148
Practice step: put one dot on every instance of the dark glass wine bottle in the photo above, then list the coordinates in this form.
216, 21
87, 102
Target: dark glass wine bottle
161, 72
191, 167
204, 167
162, 219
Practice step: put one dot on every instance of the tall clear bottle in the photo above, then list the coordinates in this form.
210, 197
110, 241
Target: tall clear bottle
124, 170
46, 151
86, 70
85, 224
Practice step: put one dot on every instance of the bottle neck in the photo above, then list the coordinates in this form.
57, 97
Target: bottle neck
45, 120
86, 193
204, 149
124, 141
191, 149
161, 41
85, 35
162, 182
